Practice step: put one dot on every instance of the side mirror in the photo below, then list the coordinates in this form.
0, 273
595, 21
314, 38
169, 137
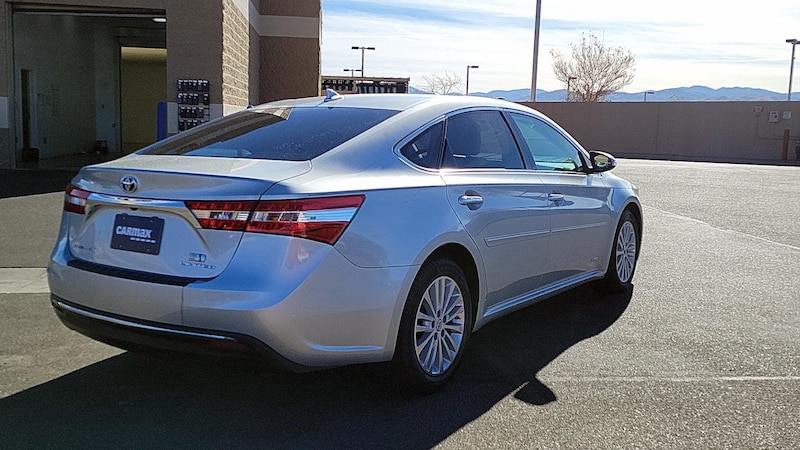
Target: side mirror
602, 161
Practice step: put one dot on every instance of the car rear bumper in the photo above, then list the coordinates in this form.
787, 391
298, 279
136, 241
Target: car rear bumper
134, 334
304, 308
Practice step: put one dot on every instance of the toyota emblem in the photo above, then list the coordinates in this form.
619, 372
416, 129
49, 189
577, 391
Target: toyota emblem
129, 183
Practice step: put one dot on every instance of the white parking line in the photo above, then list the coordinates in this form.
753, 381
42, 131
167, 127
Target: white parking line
23, 281
687, 379
727, 230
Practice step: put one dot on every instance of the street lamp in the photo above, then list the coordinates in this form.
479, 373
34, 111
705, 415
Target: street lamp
791, 67
537, 20
648, 92
569, 82
355, 47
353, 71
469, 67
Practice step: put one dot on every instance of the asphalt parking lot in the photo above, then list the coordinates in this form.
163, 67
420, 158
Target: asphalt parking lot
704, 353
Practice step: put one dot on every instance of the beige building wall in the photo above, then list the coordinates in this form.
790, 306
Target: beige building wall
290, 52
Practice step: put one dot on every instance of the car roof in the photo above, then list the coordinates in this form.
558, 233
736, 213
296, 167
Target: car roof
398, 102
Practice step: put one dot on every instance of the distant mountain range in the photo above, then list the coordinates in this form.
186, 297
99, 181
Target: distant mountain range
681, 94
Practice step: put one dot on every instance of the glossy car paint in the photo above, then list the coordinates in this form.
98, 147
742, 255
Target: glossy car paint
321, 305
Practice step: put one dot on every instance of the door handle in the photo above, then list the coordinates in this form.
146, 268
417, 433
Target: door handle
555, 197
470, 199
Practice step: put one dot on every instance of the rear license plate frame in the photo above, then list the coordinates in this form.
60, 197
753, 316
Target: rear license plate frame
138, 234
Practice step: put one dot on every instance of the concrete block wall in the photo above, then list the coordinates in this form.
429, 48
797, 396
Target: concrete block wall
710, 131
235, 56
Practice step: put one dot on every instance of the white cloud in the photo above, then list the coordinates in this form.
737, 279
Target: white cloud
676, 43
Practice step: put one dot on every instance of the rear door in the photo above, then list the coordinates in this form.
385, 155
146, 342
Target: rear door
502, 206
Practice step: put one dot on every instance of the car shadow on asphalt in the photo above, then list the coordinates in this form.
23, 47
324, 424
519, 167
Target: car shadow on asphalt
18, 183
135, 401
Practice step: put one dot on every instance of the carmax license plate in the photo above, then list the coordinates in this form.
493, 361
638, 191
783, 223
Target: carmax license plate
137, 234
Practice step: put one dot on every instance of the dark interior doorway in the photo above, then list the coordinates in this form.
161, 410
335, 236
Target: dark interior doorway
25, 82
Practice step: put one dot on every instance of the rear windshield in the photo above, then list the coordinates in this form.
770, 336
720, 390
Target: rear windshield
287, 134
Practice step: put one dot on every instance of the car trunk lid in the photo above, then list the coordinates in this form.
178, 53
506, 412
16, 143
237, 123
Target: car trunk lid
183, 219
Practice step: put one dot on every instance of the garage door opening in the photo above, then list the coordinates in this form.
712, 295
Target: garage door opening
80, 77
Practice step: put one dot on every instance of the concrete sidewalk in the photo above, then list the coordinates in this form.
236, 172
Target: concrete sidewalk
23, 281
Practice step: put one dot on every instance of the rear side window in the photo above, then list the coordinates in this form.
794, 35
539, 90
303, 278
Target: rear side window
425, 149
286, 134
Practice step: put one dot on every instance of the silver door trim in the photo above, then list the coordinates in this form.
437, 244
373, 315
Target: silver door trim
540, 294
516, 237
580, 227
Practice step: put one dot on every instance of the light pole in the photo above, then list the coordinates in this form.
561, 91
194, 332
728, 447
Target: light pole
569, 82
469, 67
648, 92
353, 71
535, 49
355, 47
791, 67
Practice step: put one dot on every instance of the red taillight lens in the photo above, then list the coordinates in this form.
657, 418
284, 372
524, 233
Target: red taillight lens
320, 219
222, 215
75, 199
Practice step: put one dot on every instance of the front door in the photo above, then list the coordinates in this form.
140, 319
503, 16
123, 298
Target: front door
579, 202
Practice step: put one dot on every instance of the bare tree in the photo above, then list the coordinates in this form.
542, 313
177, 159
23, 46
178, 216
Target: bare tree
441, 85
594, 70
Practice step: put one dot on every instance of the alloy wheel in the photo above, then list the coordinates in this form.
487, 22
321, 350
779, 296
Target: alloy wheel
626, 251
439, 326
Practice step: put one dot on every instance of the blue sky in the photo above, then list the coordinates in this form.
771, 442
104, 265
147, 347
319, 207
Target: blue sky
715, 43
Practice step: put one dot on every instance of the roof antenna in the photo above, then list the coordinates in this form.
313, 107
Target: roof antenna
332, 95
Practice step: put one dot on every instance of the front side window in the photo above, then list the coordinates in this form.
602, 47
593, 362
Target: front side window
480, 140
286, 134
549, 148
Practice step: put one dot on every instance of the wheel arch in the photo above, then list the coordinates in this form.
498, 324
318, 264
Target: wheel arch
636, 210
465, 261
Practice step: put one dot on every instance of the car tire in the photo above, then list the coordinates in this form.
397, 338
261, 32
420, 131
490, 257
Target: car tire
434, 329
624, 255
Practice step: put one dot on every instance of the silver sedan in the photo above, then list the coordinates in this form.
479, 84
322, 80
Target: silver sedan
340, 230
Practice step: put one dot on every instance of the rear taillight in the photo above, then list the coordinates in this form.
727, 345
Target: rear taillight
75, 199
319, 219
222, 215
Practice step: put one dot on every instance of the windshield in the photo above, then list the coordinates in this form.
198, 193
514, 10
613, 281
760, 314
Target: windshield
287, 134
